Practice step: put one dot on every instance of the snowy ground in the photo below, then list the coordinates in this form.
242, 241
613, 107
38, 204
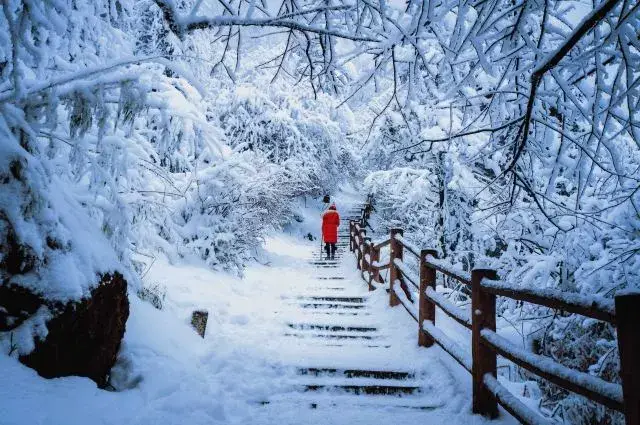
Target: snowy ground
169, 375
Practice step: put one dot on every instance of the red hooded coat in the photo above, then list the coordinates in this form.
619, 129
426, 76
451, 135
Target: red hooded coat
330, 223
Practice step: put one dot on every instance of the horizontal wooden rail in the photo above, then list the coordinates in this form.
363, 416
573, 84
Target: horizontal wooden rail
446, 269
408, 245
382, 244
486, 344
592, 387
594, 307
511, 404
453, 311
406, 273
404, 300
448, 345
380, 266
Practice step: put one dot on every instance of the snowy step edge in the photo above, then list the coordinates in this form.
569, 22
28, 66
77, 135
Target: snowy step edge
313, 334
377, 373
333, 327
358, 382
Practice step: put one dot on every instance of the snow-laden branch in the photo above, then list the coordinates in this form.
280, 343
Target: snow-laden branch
181, 25
553, 59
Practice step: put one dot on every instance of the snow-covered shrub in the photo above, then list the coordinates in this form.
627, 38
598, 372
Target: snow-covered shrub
107, 158
299, 134
449, 196
140, 145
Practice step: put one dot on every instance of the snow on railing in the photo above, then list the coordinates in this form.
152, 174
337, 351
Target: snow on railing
582, 383
448, 307
511, 403
381, 244
406, 272
592, 306
486, 344
379, 265
404, 300
448, 345
408, 245
448, 269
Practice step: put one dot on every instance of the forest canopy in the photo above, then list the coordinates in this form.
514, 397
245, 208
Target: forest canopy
504, 132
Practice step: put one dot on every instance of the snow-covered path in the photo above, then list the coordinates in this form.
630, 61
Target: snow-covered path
297, 340
348, 357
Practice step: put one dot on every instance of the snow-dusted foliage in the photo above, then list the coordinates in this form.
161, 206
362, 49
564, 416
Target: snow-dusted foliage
114, 147
505, 134
523, 146
298, 135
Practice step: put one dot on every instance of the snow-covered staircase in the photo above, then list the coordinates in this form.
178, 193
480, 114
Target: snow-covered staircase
342, 346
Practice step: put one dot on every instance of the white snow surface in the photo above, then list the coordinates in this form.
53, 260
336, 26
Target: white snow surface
167, 374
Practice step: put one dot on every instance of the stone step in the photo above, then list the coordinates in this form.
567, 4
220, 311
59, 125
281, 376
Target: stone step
385, 404
333, 336
331, 298
324, 263
337, 306
365, 389
331, 327
324, 312
356, 373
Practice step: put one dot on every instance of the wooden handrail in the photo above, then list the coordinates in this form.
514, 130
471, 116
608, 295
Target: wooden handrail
511, 404
448, 345
581, 383
382, 244
397, 289
379, 266
450, 309
409, 246
600, 309
486, 344
446, 269
402, 268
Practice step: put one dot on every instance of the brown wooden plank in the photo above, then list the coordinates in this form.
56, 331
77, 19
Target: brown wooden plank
448, 310
572, 303
512, 405
394, 273
483, 306
458, 275
426, 308
590, 386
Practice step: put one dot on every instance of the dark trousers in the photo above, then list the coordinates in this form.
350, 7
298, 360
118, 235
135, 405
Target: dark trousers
330, 248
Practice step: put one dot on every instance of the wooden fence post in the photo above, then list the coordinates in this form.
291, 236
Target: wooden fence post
351, 242
365, 251
359, 244
483, 316
375, 272
394, 274
627, 320
427, 309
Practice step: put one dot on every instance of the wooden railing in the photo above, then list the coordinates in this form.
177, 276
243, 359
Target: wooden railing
486, 344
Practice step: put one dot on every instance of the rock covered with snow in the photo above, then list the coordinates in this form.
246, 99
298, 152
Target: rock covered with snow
83, 338
63, 305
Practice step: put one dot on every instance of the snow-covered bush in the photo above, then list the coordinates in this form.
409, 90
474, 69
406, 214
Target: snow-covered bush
298, 134
114, 151
547, 231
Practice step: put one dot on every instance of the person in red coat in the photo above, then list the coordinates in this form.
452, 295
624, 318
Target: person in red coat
330, 223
